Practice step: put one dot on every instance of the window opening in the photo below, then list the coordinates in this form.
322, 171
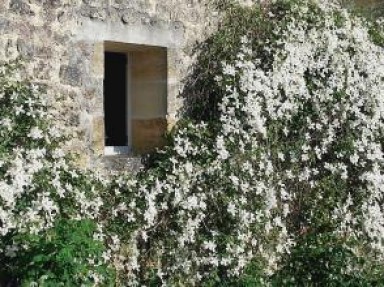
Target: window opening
115, 101
135, 98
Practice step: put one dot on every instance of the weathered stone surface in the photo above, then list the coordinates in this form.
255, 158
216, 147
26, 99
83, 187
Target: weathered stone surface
98, 135
4, 24
25, 48
10, 48
42, 70
20, 6
126, 163
70, 75
52, 3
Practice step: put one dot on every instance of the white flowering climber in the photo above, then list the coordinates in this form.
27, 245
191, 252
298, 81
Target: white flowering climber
302, 107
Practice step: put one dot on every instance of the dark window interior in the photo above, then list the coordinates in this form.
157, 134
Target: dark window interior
115, 99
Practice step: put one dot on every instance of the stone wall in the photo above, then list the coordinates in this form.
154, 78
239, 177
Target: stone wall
62, 42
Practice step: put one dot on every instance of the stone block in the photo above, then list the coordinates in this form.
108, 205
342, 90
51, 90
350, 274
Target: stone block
98, 60
171, 122
42, 70
82, 160
98, 135
53, 3
172, 100
21, 7
131, 164
4, 24
25, 48
70, 75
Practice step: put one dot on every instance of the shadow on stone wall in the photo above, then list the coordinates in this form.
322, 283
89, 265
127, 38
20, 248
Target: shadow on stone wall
201, 93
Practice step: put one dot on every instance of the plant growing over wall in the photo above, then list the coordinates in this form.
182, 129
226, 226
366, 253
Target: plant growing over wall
47, 207
280, 184
291, 152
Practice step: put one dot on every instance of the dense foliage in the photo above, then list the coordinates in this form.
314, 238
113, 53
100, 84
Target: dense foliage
274, 178
47, 207
291, 153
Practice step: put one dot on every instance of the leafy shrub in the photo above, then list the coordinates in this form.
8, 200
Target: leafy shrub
47, 235
64, 255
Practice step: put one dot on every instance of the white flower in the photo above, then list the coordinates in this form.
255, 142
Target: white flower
36, 133
7, 123
229, 70
231, 209
223, 154
209, 245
